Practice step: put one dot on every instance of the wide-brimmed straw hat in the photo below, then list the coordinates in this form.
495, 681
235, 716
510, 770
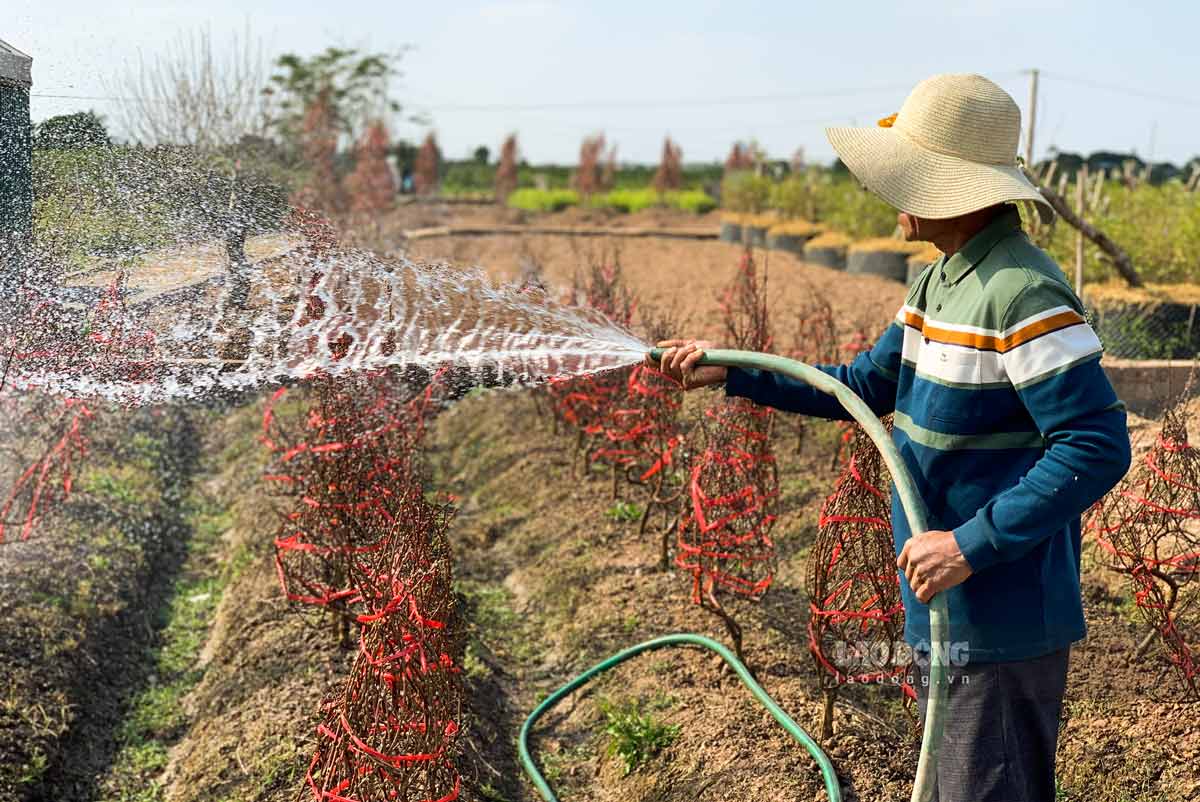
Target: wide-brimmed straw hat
950, 150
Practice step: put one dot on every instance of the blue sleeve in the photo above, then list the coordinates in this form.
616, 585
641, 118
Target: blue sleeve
872, 376
1087, 453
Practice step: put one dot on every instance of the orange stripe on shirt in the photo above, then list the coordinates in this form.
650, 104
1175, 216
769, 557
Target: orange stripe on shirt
987, 342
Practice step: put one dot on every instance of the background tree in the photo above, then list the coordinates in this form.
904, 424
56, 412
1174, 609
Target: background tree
741, 157
83, 129
355, 87
608, 178
319, 137
372, 188
669, 175
196, 94
427, 167
506, 171
588, 179
481, 154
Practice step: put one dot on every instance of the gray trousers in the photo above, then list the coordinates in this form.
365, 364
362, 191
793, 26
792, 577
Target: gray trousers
1001, 729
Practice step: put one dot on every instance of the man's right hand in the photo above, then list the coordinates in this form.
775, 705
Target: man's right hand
679, 362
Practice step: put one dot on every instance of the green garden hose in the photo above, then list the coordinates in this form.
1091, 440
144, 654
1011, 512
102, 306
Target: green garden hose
681, 639
939, 625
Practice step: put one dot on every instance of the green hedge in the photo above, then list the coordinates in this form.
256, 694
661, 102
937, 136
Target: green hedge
626, 200
621, 200
794, 198
470, 176
1158, 225
838, 201
746, 192
691, 200
543, 200
843, 204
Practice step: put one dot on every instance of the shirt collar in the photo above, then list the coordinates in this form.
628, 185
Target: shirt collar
980, 245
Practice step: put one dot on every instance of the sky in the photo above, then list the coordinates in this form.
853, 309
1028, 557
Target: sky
1117, 76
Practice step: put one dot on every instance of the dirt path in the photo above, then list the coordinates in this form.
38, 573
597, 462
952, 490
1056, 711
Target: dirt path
675, 278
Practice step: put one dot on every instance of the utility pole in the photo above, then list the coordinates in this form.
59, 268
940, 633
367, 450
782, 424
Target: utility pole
1081, 180
1032, 120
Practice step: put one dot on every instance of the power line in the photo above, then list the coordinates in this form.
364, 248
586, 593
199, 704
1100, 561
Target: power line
86, 97
597, 104
663, 103
1125, 90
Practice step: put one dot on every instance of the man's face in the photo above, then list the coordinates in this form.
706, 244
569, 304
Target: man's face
919, 229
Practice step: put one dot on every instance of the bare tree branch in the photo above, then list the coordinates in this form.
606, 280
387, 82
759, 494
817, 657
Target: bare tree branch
1116, 254
195, 94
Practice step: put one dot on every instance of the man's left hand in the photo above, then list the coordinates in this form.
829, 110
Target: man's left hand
932, 562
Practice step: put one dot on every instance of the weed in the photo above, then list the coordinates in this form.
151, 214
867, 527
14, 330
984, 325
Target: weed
635, 737
662, 701
32, 771
488, 792
625, 511
555, 764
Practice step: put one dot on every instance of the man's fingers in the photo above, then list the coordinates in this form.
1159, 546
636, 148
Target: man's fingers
689, 362
665, 363
671, 343
679, 355
924, 593
902, 560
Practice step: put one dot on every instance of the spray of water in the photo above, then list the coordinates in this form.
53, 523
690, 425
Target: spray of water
344, 313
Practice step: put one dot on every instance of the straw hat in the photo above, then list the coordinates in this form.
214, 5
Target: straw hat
950, 150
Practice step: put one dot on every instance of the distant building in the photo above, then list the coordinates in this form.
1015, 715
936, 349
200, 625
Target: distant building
16, 153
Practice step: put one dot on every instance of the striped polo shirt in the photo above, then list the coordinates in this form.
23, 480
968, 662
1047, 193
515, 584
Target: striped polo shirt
1006, 422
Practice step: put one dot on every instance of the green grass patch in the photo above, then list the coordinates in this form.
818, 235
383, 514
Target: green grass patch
128, 487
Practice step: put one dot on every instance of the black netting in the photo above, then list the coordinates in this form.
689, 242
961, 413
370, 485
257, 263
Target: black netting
1158, 330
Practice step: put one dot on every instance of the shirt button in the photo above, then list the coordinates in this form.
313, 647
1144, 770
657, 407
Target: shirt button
943, 275
939, 307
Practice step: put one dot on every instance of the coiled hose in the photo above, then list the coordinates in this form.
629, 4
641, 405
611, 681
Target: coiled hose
939, 625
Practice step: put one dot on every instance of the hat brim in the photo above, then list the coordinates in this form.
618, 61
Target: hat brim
925, 183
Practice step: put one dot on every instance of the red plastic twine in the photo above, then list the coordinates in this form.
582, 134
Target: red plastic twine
724, 536
872, 619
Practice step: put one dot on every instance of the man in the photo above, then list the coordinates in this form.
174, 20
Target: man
1003, 416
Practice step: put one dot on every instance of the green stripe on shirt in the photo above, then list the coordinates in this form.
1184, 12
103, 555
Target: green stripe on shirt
963, 442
